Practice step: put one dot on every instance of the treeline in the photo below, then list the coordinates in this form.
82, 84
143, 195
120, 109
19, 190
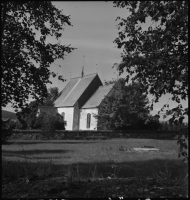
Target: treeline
27, 119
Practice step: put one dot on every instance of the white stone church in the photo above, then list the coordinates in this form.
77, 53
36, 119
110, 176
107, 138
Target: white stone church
79, 101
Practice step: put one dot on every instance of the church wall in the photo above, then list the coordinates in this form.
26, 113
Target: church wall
69, 111
83, 119
76, 117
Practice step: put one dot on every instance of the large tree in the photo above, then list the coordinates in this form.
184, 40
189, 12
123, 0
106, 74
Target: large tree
26, 54
123, 107
157, 56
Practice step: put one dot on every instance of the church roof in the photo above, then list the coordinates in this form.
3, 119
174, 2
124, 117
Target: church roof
73, 90
98, 96
48, 109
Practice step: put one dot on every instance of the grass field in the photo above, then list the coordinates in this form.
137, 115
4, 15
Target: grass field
103, 155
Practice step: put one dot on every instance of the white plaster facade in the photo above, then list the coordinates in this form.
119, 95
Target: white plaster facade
80, 98
83, 119
69, 111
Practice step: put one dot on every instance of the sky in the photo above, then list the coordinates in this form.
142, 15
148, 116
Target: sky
93, 32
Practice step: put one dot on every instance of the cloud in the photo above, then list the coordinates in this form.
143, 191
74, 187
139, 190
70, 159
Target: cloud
91, 44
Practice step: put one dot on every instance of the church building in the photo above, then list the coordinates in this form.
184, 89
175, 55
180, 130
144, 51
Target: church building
79, 101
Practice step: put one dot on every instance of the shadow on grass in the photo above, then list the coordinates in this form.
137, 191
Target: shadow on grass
33, 152
173, 169
47, 142
34, 157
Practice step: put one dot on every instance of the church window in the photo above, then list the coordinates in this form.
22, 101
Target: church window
88, 120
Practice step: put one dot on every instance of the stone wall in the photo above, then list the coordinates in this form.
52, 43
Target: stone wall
36, 134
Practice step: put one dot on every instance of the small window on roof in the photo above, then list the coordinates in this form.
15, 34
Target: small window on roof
88, 120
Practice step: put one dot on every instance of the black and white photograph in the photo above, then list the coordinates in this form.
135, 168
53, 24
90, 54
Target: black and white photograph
94, 99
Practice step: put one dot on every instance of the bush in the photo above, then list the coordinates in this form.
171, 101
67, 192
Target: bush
6, 131
153, 125
18, 125
48, 123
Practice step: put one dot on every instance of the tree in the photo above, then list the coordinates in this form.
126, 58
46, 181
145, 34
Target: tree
158, 56
153, 123
28, 115
26, 55
123, 107
49, 123
6, 130
53, 94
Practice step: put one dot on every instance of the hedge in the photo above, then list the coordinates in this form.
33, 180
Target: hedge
86, 134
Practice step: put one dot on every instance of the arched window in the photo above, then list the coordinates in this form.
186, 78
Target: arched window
63, 114
88, 120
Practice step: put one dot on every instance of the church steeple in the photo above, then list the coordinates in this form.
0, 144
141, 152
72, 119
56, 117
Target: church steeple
82, 74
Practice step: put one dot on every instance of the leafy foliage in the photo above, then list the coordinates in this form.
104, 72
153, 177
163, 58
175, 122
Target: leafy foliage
26, 55
167, 126
178, 114
158, 56
53, 94
153, 123
49, 123
18, 125
107, 82
6, 130
123, 107
27, 116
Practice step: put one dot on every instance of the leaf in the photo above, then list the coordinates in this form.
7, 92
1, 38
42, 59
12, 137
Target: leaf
171, 120
176, 122
26, 60
181, 120
60, 77
155, 61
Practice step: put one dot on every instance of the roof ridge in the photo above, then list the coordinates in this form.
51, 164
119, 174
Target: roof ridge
70, 93
83, 76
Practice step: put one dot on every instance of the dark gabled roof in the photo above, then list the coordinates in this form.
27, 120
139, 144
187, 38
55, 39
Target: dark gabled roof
98, 96
48, 109
73, 90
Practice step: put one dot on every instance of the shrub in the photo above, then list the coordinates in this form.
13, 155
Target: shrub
153, 125
18, 125
48, 123
6, 131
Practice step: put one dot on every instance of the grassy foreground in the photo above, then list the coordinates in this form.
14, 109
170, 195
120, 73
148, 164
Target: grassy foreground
85, 151
100, 158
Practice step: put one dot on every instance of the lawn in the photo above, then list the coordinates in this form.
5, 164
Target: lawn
104, 155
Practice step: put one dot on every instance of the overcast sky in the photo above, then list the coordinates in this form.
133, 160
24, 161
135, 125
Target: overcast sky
93, 32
